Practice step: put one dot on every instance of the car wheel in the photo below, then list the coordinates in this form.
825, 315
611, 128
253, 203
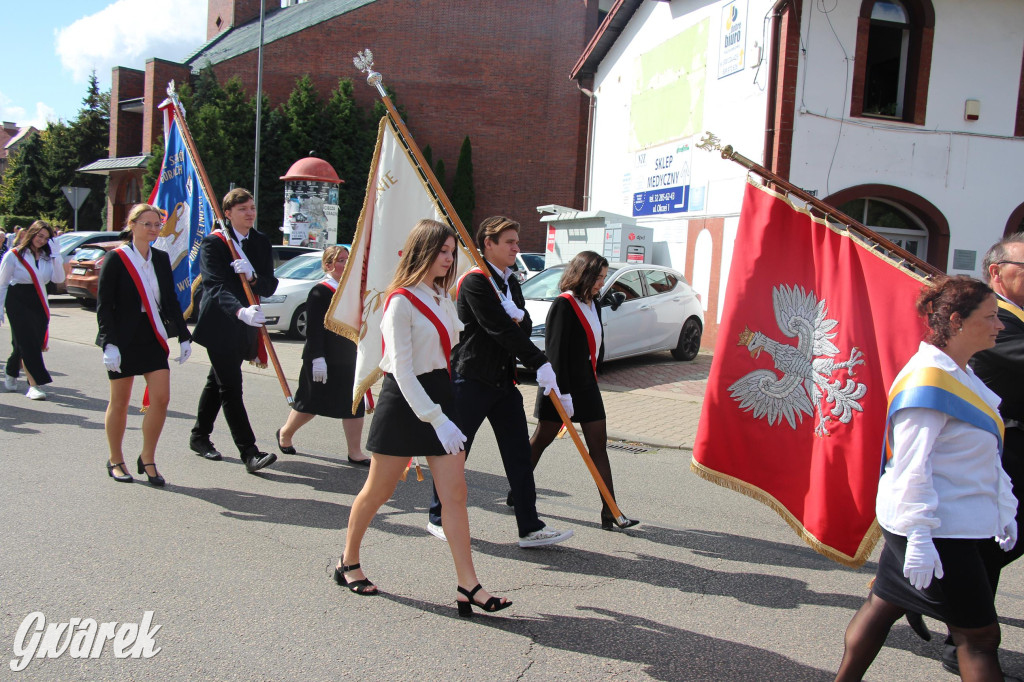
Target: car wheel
689, 340
299, 321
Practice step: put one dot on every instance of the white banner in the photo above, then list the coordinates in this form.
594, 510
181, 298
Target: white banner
396, 199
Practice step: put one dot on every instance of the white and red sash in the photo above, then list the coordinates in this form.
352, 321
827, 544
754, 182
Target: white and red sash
133, 264
39, 292
442, 332
261, 348
591, 339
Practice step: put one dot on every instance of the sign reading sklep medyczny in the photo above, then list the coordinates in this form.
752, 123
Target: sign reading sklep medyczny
661, 179
82, 638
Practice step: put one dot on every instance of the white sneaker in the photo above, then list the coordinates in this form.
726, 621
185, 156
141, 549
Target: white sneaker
10, 383
35, 394
436, 530
544, 536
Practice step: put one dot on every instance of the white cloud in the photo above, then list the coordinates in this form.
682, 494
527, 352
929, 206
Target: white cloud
9, 112
128, 32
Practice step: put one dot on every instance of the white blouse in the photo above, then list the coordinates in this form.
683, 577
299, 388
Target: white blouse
412, 346
945, 474
13, 272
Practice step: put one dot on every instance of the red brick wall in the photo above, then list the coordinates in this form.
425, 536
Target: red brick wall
159, 72
223, 14
125, 127
494, 70
716, 227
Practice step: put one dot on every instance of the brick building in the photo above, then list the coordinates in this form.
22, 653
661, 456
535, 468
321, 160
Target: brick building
11, 138
494, 70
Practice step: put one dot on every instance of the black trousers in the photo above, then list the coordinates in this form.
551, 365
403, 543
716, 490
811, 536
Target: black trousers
1013, 462
503, 408
28, 329
224, 389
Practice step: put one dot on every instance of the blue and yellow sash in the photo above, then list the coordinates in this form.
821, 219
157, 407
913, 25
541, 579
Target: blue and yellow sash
937, 389
1010, 308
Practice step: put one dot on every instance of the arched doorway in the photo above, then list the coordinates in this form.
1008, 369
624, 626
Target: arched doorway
899, 215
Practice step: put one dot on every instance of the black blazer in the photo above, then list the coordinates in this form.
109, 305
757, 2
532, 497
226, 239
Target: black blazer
565, 342
492, 341
217, 326
320, 341
1002, 366
119, 307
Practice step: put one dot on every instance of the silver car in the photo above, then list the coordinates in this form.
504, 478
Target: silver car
645, 308
286, 309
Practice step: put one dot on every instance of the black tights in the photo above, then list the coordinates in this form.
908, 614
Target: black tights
596, 436
866, 633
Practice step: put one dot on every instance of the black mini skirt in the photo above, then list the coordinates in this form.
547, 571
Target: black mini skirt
962, 597
396, 430
142, 354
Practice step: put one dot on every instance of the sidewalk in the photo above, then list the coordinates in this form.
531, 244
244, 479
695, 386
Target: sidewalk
652, 399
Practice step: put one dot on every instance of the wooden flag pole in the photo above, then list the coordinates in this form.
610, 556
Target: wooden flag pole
364, 62
249, 296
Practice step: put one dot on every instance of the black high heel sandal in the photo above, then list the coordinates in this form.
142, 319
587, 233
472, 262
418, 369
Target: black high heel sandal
490, 606
157, 480
127, 478
363, 587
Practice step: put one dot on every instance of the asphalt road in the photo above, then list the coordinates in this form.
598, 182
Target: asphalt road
236, 568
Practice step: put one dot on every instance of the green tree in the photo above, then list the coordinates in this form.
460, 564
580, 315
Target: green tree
350, 150
463, 196
273, 164
23, 190
304, 120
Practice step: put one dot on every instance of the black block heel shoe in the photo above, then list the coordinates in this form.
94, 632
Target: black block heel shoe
490, 606
608, 523
363, 587
156, 480
285, 450
127, 478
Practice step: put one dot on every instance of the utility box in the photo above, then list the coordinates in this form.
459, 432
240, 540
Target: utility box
614, 236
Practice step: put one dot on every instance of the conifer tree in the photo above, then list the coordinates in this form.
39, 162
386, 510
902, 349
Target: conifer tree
463, 196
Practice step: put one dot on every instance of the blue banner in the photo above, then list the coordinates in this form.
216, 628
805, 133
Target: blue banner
187, 212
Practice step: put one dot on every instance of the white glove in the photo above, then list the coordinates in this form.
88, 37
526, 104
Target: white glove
514, 312
54, 247
546, 378
242, 267
453, 440
186, 352
112, 358
320, 370
922, 560
1008, 538
567, 404
252, 316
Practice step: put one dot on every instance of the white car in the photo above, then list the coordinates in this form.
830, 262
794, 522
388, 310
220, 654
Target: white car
286, 309
527, 265
645, 308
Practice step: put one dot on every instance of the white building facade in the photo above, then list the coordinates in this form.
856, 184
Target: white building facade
907, 114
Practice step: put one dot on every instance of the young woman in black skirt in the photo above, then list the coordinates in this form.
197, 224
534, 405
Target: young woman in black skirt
137, 311
572, 342
328, 368
943, 493
25, 271
415, 409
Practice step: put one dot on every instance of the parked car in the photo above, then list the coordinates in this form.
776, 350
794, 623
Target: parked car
284, 253
645, 309
84, 270
527, 265
69, 243
286, 309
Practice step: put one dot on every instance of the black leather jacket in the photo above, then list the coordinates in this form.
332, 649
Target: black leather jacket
492, 341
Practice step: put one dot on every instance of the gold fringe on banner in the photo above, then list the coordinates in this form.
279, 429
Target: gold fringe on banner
867, 544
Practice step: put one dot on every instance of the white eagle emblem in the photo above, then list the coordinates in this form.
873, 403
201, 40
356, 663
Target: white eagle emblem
807, 368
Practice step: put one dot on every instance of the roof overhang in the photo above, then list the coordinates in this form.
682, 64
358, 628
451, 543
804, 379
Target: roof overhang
121, 163
607, 33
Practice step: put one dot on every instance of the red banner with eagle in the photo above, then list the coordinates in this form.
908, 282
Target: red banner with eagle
815, 326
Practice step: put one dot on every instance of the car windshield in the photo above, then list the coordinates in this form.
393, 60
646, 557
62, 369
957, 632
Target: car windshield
534, 261
88, 253
544, 285
70, 240
306, 266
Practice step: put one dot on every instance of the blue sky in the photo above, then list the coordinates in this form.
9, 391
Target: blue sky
49, 48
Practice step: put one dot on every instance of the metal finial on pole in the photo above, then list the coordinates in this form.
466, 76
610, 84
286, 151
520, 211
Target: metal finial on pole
364, 62
172, 94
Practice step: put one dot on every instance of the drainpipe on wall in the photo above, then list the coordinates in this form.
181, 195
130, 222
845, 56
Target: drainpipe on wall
773, 83
590, 135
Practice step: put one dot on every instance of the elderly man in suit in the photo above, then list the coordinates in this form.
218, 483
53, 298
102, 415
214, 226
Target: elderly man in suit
227, 326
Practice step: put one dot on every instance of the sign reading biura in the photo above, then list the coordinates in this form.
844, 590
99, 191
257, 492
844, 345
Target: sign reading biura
82, 638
